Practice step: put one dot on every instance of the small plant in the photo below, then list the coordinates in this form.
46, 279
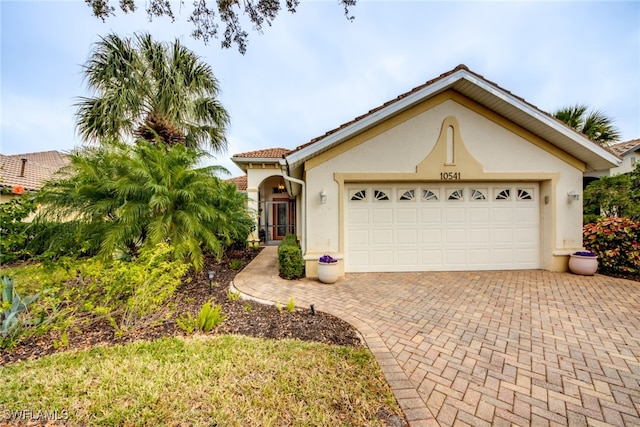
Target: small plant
247, 307
233, 295
290, 260
187, 323
328, 259
210, 316
291, 305
278, 306
585, 253
13, 306
235, 264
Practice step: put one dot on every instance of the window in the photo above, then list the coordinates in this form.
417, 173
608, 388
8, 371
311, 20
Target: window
478, 194
456, 195
429, 195
380, 195
408, 195
503, 194
524, 194
359, 195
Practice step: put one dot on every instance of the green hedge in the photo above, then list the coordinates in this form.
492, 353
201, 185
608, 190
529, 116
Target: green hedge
290, 262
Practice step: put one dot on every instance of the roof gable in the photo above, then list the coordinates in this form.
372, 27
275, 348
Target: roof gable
480, 90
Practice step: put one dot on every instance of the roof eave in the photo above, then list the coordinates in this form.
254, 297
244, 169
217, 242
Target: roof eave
594, 156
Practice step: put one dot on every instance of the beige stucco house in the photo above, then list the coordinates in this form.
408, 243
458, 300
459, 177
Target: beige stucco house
456, 174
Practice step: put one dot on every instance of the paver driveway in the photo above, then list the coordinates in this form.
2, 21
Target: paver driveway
487, 348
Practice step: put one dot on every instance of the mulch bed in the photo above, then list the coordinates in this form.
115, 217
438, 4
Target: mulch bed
243, 317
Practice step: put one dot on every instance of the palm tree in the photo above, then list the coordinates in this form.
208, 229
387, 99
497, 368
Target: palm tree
593, 124
144, 89
132, 196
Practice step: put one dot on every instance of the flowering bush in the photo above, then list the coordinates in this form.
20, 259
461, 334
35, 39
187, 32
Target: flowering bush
328, 259
585, 253
616, 241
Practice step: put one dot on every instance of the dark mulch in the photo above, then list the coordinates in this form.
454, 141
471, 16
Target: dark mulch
243, 318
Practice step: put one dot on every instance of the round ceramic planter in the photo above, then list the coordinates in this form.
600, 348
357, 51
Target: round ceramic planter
583, 265
328, 272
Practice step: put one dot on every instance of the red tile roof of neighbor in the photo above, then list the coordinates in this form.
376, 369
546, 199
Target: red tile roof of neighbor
624, 147
269, 153
240, 182
30, 170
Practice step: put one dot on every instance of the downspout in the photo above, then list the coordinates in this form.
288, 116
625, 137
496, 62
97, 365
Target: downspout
284, 169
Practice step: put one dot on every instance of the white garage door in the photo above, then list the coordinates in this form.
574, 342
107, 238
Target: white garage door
453, 226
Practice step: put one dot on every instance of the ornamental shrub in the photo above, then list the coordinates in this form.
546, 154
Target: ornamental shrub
13, 229
290, 261
617, 243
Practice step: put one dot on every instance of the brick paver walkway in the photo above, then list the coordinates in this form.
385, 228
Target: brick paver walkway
487, 348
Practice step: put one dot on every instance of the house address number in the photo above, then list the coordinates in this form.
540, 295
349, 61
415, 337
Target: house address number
450, 176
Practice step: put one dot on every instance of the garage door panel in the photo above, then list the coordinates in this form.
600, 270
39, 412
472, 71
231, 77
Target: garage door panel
359, 237
409, 236
431, 216
432, 258
502, 214
502, 235
382, 237
408, 257
455, 236
479, 235
432, 236
407, 216
384, 258
456, 257
382, 216
457, 227
480, 258
526, 236
479, 215
456, 215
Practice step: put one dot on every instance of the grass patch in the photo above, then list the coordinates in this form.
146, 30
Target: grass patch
220, 380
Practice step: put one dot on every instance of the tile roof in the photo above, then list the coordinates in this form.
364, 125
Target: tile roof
412, 91
240, 182
623, 148
269, 153
33, 171
419, 88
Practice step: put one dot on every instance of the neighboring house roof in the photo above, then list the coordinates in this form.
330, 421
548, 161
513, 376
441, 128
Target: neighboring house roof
624, 148
240, 182
30, 170
269, 155
482, 91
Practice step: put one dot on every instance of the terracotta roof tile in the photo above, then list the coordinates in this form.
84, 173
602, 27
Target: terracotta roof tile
32, 173
623, 147
240, 182
269, 153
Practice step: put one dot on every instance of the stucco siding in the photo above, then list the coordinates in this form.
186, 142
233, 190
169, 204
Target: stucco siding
501, 152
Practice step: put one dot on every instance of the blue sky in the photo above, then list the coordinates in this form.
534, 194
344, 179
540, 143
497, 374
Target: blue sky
312, 71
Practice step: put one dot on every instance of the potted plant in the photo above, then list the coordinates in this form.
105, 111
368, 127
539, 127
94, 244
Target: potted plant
584, 263
328, 269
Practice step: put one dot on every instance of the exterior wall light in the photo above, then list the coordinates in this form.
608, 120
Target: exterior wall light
323, 197
573, 197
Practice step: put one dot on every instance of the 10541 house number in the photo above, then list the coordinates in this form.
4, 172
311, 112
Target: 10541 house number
450, 176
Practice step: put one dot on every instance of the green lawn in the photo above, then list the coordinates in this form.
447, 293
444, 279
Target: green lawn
203, 381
